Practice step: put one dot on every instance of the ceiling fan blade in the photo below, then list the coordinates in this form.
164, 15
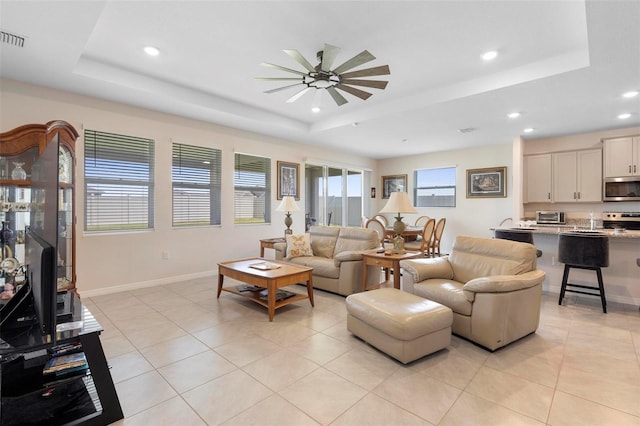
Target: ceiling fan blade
278, 67
278, 78
368, 72
355, 92
298, 95
328, 56
299, 58
340, 100
376, 84
361, 58
281, 88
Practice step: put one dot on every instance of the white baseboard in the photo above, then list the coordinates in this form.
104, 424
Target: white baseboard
144, 284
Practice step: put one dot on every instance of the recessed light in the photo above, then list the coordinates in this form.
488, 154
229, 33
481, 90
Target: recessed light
631, 94
315, 110
513, 115
489, 56
355, 124
624, 116
151, 51
528, 130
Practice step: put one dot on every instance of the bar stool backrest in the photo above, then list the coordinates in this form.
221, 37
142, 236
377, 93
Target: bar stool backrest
583, 250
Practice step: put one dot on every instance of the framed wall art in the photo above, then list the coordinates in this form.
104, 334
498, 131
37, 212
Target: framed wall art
487, 183
393, 183
288, 180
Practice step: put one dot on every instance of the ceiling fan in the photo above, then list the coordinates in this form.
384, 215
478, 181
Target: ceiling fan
322, 76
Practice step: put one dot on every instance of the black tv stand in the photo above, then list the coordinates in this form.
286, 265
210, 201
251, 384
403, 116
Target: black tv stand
87, 397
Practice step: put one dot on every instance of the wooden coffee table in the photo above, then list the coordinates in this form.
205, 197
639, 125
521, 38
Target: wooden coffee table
385, 260
271, 279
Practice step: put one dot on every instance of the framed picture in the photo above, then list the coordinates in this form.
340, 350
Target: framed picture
487, 183
393, 183
288, 180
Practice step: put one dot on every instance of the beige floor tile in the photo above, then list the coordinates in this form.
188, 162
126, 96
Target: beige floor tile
140, 322
512, 392
280, 369
609, 368
473, 410
128, 365
538, 369
116, 346
165, 353
410, 391
169, 413
142, 338
225, 397
196, 370
320, 348
284, 334
319, 320
449, 367
246, 350
142, 392
365, 368
375, 411
323, 395
569, 410
273, 411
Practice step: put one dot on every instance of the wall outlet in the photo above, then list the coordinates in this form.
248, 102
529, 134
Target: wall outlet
165, 255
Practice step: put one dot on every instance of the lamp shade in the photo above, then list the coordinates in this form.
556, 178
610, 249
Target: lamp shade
398, 203
288, 204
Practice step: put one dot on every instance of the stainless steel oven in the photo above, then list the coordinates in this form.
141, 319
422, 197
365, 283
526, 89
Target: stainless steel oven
626, 220
622, 189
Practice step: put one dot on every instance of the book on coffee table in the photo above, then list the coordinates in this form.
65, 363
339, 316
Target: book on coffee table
264, 265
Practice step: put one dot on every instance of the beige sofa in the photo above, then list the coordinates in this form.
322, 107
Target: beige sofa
492, 286
337, 258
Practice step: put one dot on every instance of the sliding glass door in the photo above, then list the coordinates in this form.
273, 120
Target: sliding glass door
334, 196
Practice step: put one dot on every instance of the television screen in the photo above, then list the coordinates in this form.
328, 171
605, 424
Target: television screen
40, 259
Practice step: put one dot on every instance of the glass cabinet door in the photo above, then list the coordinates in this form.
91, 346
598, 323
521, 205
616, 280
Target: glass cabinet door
65, 218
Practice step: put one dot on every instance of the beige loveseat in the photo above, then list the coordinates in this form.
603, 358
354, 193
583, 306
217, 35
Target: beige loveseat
337, 258
492, 286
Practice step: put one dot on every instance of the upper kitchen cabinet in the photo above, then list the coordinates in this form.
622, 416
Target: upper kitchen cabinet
37, 182
537, 181
622, 156
577, 176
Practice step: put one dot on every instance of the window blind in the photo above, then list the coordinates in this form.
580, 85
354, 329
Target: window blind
119, 182
196, 179
252, 189
435, 187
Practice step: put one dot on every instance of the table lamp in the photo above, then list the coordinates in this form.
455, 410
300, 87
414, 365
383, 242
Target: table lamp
398, 203
288, 205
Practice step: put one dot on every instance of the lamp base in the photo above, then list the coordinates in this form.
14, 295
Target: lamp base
398, 245
288, 232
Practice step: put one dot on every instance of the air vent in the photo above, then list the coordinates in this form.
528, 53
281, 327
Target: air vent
467, 130
12, 39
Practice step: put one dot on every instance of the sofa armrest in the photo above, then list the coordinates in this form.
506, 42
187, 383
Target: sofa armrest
503, 283
281, 250
424, 269
347, 256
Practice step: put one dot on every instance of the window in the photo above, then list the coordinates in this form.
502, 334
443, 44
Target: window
435, 187
118, 182
252, 185
196, 179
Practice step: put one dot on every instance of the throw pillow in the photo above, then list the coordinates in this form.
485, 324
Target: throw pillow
298, 245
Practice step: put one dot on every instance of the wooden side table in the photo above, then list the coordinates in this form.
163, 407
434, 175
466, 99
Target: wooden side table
383, 260
269, 243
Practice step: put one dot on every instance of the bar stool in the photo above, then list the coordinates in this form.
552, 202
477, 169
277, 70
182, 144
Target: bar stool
583, 251
519, 235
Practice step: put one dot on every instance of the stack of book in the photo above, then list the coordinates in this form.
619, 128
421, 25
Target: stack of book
66, 364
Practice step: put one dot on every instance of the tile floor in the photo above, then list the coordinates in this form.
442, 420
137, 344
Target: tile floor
179, 356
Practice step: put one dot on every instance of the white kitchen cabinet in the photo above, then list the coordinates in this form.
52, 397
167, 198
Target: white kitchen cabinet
538, 178
577, 176
622, 156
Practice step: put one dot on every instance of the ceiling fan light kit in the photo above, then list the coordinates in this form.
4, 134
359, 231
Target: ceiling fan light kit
323, 77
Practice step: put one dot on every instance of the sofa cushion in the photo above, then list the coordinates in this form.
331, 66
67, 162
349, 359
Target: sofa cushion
354, 239
298, 245
323, 240
446, 292
480, 257
322, 266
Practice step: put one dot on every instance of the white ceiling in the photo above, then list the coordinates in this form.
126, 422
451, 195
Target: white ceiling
562, 64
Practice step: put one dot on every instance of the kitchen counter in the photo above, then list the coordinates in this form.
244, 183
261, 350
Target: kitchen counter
558, 229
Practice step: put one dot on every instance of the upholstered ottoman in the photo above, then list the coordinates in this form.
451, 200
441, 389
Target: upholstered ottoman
400, 324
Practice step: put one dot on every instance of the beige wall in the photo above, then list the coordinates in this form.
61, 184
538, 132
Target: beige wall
107, 263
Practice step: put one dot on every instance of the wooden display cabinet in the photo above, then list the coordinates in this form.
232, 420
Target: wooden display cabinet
20, 182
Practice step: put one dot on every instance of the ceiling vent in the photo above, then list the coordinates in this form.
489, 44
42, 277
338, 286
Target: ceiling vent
12, 39
467, 130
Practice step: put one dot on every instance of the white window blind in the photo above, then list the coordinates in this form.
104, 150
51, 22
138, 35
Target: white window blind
119, 182
252, 185
196, 179
435, 187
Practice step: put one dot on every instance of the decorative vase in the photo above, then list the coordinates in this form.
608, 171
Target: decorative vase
18, 173
6, 234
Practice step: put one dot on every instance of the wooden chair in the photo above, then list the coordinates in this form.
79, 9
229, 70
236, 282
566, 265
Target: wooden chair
422, 244
383, 220
437, 236
379, 228
363, 221
422, 220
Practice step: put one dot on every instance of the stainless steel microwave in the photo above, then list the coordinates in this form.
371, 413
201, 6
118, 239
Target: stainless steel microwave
554, 217
622, 189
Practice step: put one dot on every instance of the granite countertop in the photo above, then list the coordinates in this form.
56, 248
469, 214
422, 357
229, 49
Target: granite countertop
557, 229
